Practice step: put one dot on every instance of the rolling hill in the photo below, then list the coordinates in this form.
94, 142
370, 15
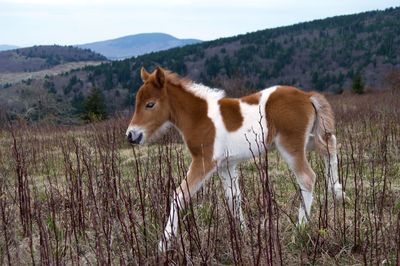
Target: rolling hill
324, 55
134, 45
42, 57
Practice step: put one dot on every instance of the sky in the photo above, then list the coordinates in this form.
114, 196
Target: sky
69, 22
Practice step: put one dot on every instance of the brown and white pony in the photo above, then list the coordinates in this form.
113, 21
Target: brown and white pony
218, 129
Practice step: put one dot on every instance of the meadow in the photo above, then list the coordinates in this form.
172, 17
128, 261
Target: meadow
83, 196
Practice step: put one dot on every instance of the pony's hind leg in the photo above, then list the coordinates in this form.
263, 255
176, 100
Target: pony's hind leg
325, 142
293, 151
305, 177
331, 166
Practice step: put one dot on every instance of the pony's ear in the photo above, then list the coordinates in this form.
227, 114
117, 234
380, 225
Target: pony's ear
159, 77
144, 74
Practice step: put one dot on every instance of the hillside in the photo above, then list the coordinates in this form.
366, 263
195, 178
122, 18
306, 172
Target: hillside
8, 79
37, 58
134, 45
322, 55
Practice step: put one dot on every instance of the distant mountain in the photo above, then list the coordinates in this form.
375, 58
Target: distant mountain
5, 47
134, 45
43, 57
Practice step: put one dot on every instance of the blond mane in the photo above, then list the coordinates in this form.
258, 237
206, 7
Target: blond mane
197, 89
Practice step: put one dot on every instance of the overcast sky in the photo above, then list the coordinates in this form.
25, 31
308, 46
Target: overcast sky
66, 22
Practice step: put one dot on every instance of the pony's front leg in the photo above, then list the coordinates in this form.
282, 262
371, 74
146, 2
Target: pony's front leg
171, 227
199, 171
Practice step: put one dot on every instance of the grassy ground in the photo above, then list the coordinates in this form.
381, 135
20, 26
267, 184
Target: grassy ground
83, 196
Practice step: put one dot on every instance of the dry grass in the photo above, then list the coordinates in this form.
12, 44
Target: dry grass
83, 196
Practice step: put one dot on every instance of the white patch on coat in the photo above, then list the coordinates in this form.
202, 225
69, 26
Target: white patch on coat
305, 205
249, 138
286, 155
205, 92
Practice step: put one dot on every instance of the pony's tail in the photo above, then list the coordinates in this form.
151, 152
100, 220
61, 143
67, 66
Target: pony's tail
325, 142
324, 125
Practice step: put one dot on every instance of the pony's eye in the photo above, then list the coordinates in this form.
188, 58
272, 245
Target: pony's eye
150, 105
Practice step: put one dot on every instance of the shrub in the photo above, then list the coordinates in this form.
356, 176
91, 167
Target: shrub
358, 84
94, 106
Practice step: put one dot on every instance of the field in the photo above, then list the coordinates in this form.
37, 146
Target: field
72, 196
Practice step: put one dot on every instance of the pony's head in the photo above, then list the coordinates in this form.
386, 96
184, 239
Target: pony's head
152, 110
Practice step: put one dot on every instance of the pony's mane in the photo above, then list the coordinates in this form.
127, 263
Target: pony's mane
199, 90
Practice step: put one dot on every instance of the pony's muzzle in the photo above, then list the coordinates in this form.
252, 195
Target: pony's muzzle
134, 137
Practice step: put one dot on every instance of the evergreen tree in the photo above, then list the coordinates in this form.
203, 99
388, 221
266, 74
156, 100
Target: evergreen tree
94, 106
49, 85
78, 103
358, 84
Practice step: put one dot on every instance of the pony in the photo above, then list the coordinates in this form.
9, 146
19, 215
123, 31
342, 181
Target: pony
220, 132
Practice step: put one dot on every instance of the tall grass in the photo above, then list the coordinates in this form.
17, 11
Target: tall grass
83, 196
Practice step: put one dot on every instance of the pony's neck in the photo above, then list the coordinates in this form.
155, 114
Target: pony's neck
189, 115
185, 107
188, 112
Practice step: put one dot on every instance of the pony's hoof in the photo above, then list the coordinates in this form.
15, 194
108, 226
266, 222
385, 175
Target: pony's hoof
243, 227
345, 198
301, 223
340, 195
163, 246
